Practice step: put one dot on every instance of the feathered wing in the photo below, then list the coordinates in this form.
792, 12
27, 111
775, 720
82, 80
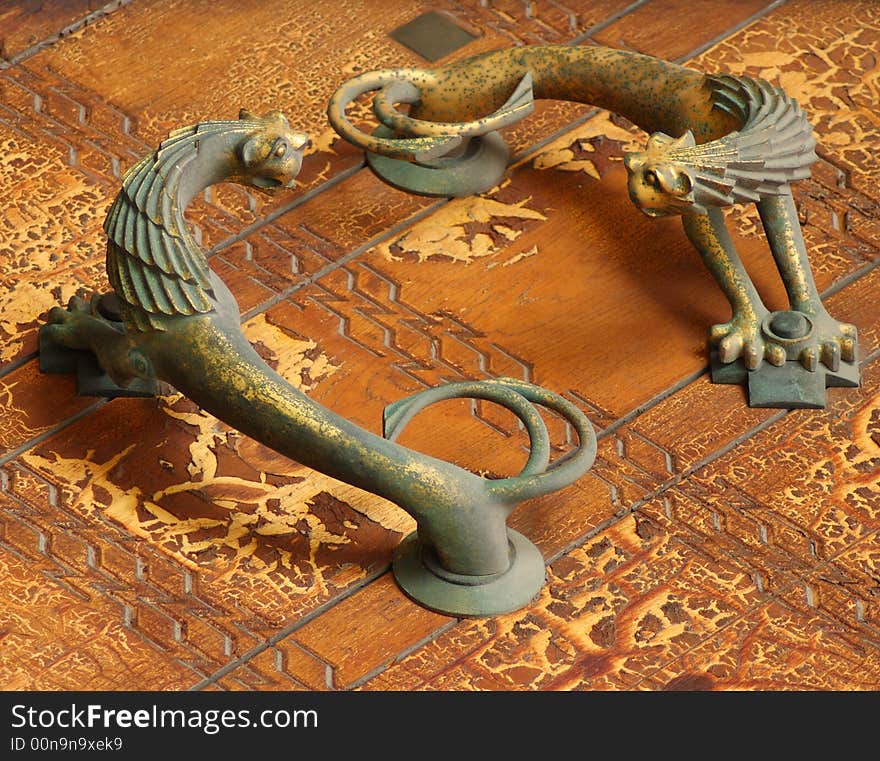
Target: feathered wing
152, 262
773, 148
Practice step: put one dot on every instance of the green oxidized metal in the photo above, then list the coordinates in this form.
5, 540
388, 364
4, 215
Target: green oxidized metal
714, 141
171, 318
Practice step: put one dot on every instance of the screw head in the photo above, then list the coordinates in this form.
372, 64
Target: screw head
790, 325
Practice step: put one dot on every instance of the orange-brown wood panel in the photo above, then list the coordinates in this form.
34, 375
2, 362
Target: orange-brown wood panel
778, 648
712, 546
27, 24
824, 55
32, 403
282, 667
619, 611
612, 609
59, 634
670, 29
363, 633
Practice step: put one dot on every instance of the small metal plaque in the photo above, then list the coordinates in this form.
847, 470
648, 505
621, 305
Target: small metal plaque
432, 35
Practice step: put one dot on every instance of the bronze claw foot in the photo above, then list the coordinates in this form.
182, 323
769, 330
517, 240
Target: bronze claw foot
816, 352
88, 339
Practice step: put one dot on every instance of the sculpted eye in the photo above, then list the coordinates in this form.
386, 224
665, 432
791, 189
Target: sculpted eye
650, 177
280, 149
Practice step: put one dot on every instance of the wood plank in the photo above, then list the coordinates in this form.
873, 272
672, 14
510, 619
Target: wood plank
543, 22
836, 86
32, 403
284, 667
345, 218
310, 51
825, 496
670, 29
613, 610
362, 634
777, 649
50, 232
62, 637
25, 25
615, 614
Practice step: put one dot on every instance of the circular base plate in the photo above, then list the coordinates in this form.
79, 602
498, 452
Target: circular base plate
512, 590
479, 168
791, 329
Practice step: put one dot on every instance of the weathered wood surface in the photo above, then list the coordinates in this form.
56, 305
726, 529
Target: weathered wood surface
145, 545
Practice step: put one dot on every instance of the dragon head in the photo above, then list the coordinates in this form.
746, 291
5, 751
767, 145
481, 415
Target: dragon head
271, 155
660, 183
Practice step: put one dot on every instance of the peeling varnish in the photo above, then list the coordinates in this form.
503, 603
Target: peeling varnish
560, 155
514, 259
444, 233
255, 507
295, 358
13, 429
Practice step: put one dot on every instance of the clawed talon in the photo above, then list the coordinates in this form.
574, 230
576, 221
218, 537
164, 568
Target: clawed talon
77, 304
810, 359
730, 347
837, 341
57, 316
752, 356
848, 349
775, 355
76, 307
81, 327
739, 338
65, 327
831, 355
848, 341
719, 331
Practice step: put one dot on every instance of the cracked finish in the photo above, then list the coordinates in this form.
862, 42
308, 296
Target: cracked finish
394, 327
716, 140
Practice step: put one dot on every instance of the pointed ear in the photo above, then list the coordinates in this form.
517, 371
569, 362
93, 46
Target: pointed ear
245, 114
254, 151
687, 140
633, 161
658, 140
277, 116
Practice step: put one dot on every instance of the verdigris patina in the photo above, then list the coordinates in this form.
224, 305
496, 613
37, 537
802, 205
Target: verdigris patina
714, 141
171, 317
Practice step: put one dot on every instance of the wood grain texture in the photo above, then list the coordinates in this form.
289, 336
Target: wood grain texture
32, 403
671, 30
59, 634
25, 25
612, 611
711, 546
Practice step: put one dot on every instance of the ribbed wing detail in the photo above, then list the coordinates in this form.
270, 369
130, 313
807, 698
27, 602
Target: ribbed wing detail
773, 148
152, 261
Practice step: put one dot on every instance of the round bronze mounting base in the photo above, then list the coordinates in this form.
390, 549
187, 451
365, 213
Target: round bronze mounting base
499, 593
475, 170
790, 329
